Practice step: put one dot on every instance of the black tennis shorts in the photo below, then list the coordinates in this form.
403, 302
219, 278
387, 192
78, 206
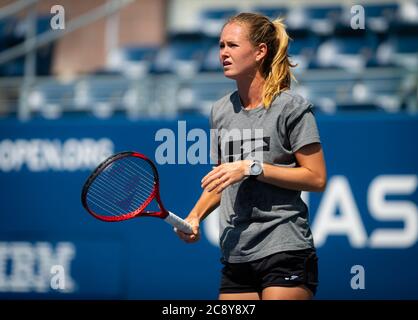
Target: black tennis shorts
285, 269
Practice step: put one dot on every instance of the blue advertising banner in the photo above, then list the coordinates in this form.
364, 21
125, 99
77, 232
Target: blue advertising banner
365, 224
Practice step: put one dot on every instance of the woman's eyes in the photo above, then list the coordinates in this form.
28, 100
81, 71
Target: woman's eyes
230, 45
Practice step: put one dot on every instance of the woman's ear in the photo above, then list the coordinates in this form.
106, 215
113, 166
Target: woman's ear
261, 52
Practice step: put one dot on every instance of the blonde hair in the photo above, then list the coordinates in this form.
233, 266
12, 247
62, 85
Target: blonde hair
275, 67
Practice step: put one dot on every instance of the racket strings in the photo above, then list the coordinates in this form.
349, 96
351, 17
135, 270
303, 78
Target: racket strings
100, 195
110, 200
125, 181
122, 187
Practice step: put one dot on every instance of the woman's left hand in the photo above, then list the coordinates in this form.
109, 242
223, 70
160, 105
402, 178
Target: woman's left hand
225, 174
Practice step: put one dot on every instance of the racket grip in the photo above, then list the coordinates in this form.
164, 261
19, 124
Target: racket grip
178, 223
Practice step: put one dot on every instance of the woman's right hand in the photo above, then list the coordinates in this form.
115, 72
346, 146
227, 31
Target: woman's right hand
192, 237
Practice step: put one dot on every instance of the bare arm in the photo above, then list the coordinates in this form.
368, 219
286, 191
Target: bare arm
309, 176
208, 201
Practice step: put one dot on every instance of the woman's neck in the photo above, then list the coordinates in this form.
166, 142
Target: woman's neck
250, 91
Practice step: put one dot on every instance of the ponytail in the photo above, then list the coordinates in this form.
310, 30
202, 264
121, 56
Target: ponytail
278, 75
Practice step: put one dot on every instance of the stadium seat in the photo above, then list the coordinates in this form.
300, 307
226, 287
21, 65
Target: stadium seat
199, 95
133, 62
182, 55
12, 33
401, 47
8, 39
108, 90
404, 40
406, 52
302, 47
380, 16
320, 19
349, 49
51, 93
213, 19
271, 12
211, 62
407, 13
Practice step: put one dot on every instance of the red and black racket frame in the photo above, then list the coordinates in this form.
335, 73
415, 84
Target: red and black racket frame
140, 212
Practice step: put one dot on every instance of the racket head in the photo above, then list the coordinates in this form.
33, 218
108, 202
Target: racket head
121, 188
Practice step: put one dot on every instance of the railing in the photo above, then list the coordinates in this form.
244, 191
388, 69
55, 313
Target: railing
386, 89
33, 42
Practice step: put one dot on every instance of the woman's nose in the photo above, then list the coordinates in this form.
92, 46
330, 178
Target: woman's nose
223, 53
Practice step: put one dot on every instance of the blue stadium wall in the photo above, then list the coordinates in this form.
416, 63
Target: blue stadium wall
365, 224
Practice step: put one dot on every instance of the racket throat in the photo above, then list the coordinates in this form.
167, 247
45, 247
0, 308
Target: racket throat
154, 214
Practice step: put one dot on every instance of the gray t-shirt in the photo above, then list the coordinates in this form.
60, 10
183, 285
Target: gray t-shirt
258, 219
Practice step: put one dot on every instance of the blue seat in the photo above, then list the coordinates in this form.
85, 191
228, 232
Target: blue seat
132, 61
380, 16
319, 19
407, 44
271, 12
12, 33
328, 15
348, 48
323, 19
401, 46
211, 62
182, 55
381, 10
51, 93
324, 12
218, 14
302, 47
407, 14
14, 68
205, 93
212, 20
139, 53
405, 51
8, 39
108, 90
43, 24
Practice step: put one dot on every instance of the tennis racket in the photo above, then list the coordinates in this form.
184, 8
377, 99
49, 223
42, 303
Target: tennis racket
122, 187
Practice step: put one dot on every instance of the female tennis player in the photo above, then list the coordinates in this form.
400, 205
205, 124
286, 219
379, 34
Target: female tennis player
266, 242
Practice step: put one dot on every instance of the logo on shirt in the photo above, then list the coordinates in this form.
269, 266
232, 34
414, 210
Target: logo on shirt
241, 144
252, 148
